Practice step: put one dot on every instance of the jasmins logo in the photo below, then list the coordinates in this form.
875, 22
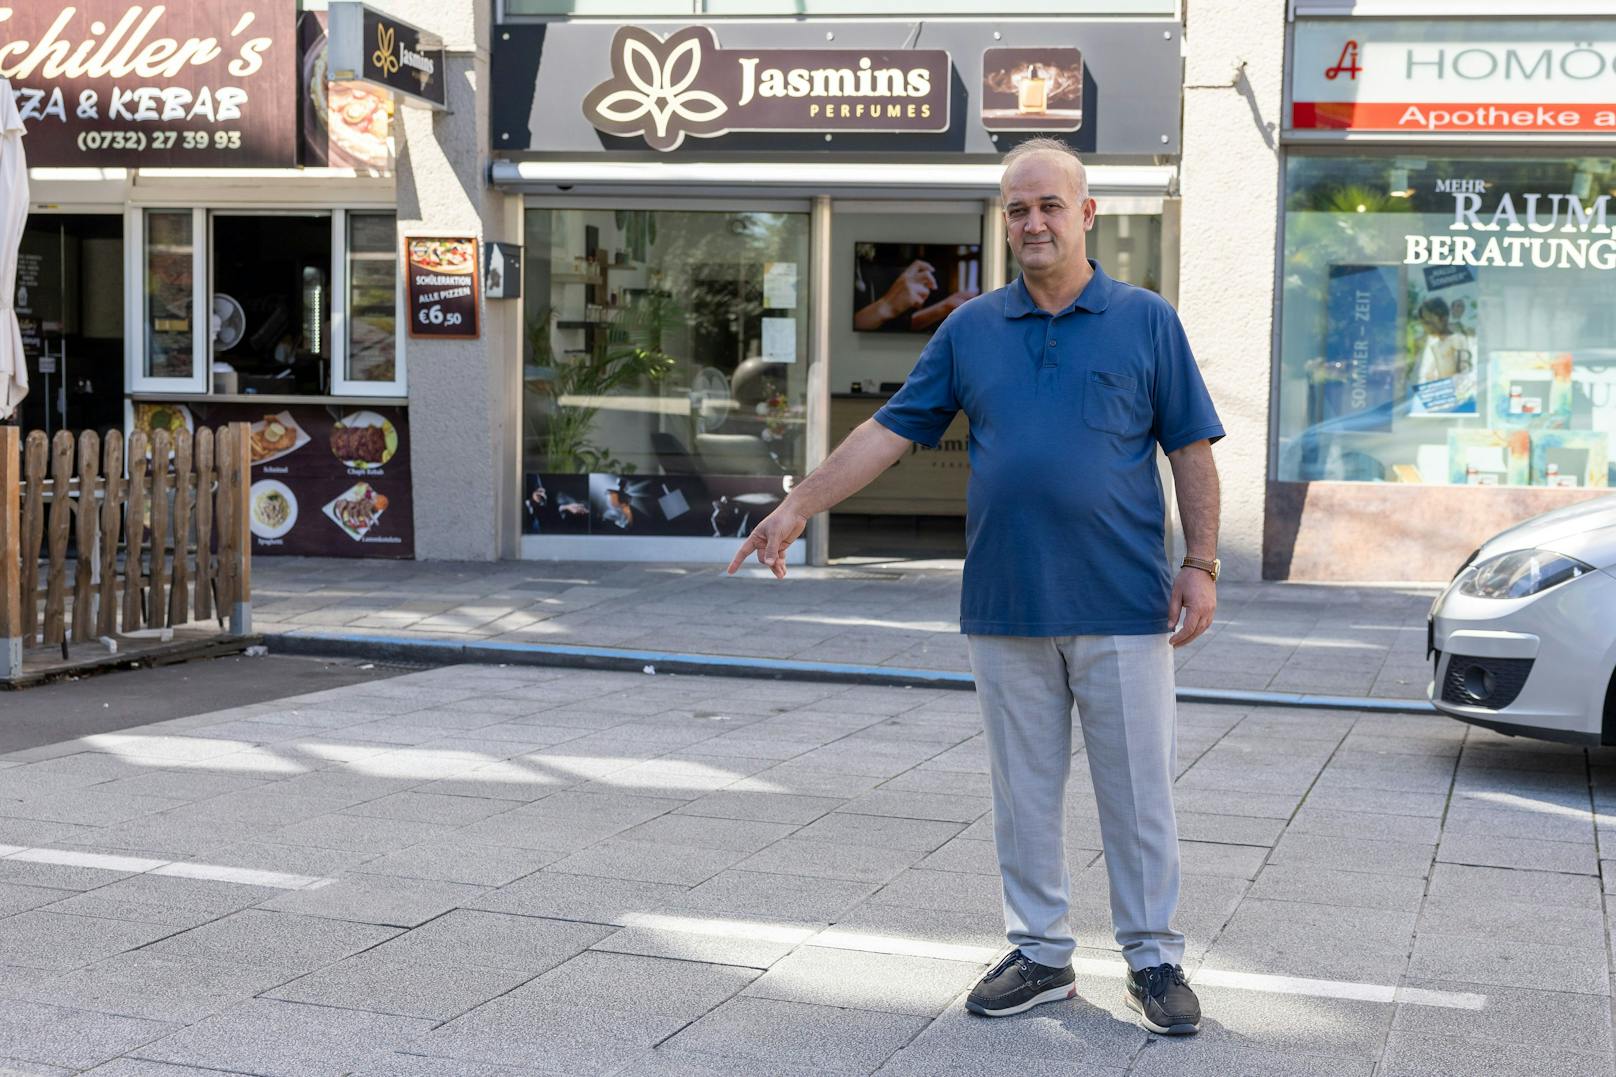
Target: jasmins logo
666, 88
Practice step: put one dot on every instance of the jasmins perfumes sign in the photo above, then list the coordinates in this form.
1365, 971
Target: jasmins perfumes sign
665, 89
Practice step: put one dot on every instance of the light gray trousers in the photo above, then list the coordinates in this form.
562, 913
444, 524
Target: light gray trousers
1123, 689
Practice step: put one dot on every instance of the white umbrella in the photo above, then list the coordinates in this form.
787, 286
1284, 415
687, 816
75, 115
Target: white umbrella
13, 212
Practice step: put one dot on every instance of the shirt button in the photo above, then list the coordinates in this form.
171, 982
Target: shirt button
1052, 344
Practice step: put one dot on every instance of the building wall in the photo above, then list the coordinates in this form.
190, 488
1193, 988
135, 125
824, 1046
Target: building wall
464, 394
1230, 183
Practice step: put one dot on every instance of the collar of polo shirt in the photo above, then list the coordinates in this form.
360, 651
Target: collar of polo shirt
1094, 298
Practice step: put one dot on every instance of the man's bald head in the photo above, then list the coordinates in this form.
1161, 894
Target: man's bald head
1048, 148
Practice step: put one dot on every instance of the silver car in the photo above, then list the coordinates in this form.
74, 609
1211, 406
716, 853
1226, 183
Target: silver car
1525, 635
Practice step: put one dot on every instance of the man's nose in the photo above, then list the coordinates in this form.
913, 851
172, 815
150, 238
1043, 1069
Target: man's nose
1035, 222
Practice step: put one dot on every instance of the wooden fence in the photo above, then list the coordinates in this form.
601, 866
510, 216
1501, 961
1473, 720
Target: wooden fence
160, 536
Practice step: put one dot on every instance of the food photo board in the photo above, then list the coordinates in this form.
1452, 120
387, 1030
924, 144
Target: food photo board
327, 480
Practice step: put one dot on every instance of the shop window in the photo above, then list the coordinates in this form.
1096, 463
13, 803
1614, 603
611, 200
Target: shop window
1447, 320
373, 359
170, 259
665, 369
271, 303
298, 303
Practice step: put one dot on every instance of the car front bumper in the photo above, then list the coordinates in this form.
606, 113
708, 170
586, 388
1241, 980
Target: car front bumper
1536, 666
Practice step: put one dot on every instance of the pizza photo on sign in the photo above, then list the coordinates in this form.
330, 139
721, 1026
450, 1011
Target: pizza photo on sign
444, 255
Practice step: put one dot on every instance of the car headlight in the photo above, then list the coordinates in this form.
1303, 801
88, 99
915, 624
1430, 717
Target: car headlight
1520, 573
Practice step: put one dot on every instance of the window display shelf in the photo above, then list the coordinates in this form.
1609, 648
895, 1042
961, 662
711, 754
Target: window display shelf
273, 398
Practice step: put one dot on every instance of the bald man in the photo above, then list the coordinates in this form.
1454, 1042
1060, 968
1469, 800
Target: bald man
1071, 380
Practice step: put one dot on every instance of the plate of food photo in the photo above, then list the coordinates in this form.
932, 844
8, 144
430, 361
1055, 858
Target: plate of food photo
274, 508
274, 436
364, 440
357, 510
443, 255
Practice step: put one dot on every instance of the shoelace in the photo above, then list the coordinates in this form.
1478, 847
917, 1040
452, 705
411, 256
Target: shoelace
1158, 979
1016, 958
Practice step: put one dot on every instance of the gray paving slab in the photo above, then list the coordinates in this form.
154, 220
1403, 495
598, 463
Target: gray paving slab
921, 889
589, 898
694, 938
850, 978
1376, 826
1370, 855
770, 1031
849, 829
376, 899
1504, 884
1510, 963
1410, 1054
47, 940
637, 982
516, 1032
709, 832
1577, 858
138, 984
74, 1039
164, 899
753, 894
419, 986
1211, 1056
1553, 1019
495, 940
1523, 921
458, 862
134, 1067
273, 940
1094, 1028
286, 1039
649, 861
829, 860
1331, 886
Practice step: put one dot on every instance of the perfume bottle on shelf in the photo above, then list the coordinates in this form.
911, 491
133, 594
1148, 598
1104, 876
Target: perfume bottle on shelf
1033, 92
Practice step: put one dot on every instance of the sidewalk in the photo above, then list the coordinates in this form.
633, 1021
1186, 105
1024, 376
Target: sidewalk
517, 872
1278, 637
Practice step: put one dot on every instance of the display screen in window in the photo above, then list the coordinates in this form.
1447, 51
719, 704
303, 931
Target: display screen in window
372, 297
1448, 321
271, 317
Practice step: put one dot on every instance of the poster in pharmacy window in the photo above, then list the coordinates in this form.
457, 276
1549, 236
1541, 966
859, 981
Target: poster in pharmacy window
1361, 352
1443, 316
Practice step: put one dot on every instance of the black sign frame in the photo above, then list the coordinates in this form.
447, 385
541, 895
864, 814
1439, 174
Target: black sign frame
369, 46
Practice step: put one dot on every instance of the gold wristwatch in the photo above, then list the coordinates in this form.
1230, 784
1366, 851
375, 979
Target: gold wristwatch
1212, 567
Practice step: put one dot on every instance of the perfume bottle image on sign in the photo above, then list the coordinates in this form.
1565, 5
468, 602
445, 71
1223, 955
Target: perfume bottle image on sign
1032, 92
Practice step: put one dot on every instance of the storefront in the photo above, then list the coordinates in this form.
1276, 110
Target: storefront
737, 236
1446, 355
212, 237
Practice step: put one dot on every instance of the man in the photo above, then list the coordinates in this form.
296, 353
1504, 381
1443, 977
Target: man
1070, 380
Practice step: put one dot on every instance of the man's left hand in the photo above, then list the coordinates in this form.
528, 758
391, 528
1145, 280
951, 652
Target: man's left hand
1196, 597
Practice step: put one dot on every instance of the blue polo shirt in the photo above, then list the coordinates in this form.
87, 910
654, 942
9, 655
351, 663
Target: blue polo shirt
1064, 513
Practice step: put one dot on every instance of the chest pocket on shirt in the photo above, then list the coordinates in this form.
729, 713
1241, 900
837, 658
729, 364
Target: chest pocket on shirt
1111, 402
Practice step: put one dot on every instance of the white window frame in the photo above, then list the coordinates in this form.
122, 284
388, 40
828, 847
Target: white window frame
341, 383
200, 382
134, 307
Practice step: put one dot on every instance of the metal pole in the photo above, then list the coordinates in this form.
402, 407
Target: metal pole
818, 435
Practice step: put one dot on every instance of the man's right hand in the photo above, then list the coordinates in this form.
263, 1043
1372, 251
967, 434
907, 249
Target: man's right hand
770, 539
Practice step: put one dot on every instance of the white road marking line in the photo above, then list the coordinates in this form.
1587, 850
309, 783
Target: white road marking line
184, 869
897, 946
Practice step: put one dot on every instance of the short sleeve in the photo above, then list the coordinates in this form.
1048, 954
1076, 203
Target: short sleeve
1182, 407
927, 403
